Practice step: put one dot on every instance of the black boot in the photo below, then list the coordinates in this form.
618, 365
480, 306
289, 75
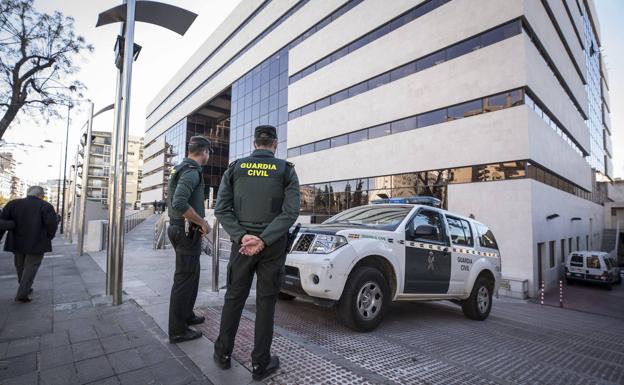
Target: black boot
188, 335
261, 372
196, 320
223, 362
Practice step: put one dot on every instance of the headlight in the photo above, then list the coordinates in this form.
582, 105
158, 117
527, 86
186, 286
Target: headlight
325, 244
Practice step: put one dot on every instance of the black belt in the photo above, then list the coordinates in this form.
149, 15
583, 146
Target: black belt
177, 221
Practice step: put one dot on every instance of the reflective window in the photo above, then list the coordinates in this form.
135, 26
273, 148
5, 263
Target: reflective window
358, 136
340, 140
379, 131
433, 117
465, 110
431, 60
430, 218
486, 237
460, 231
576, 260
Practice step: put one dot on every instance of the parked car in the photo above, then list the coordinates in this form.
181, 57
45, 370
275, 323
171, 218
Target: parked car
363, 258
592, 266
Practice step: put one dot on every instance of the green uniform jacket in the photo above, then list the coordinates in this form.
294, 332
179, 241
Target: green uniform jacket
278, 227
189, 191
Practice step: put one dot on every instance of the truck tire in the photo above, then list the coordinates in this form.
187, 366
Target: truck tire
365, 300
285, 297
479, 304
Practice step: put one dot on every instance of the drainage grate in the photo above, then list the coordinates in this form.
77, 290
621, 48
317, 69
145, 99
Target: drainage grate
298, 365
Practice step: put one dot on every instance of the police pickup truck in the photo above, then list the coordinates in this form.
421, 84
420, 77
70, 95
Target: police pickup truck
362, 258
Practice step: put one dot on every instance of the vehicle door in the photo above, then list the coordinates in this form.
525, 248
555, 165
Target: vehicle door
593, 267
462, 252
427, 258
577, 266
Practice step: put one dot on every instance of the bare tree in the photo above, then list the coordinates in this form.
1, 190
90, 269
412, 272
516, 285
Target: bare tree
38, 55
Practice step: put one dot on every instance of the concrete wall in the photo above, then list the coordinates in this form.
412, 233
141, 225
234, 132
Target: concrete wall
516, 212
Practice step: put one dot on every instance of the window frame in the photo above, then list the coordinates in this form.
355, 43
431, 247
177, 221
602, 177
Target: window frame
443, 230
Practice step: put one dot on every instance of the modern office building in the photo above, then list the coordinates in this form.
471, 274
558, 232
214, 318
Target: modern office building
499, 108
99, 168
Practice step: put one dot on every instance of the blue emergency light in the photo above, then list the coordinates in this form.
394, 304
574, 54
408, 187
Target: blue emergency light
414, 200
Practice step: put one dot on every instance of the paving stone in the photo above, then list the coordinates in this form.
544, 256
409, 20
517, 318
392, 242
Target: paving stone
26, 379
138, 377
17, 366
54, 357
106, 381
94, 369
22, 346
61, 375
171, 372
126, 361
140, 337
82, 333
154, 353
54, 340
107, 329
3, 348
87, 349
115, 343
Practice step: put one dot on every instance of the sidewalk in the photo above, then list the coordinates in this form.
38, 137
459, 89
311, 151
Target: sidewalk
70, 334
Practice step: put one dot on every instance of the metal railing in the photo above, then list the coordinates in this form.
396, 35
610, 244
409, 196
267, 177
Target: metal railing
134, 219
160, 232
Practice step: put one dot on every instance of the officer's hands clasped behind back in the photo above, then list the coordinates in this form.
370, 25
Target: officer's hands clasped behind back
251, 245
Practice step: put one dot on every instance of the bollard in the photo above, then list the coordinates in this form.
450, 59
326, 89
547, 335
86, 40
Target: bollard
215, 257
542, 294
560, 293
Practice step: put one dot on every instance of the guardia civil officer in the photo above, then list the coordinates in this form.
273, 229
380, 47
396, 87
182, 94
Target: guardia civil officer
186, 227
258, 201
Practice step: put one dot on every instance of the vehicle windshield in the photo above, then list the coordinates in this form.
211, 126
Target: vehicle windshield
377, 217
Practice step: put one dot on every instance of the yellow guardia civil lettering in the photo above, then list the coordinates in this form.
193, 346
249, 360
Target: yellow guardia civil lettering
257, 169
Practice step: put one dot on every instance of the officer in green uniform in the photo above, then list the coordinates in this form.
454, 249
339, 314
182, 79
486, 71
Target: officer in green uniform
185, 200
258, 201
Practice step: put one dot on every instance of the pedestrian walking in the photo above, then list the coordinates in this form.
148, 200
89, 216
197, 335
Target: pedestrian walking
35, 223
258, 201
186, 227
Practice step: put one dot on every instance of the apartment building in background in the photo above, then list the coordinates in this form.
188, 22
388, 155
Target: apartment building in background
99, 168
498, 108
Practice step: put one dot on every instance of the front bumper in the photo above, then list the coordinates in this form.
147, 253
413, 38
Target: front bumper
318, 275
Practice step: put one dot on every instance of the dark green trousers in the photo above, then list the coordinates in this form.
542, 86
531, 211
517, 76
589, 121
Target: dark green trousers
185, 281
268, 265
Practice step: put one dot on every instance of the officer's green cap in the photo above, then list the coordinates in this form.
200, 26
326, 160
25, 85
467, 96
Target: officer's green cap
198, 139
265, 130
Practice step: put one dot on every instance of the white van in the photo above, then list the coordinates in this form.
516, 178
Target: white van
591, 266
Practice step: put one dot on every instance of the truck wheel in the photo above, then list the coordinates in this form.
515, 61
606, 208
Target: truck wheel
365, 300
479, 304
285, 297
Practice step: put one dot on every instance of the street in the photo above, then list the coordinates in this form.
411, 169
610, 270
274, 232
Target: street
70, 334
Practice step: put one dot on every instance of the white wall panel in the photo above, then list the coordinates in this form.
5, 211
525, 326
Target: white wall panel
452, 82
405, 44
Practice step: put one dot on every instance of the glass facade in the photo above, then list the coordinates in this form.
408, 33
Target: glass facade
260, 97
594, 118
322, 200
176, 142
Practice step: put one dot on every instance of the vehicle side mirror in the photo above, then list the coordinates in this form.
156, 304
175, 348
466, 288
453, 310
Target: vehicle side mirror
425, 231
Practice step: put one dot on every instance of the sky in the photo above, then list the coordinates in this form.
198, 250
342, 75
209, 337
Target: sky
164, 52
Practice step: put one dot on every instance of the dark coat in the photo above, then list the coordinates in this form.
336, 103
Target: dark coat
35, 225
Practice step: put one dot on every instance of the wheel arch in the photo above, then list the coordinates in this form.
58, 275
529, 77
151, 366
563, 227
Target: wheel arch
382, 264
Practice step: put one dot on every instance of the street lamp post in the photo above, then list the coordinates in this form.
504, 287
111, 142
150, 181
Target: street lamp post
170, 17
69, 107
